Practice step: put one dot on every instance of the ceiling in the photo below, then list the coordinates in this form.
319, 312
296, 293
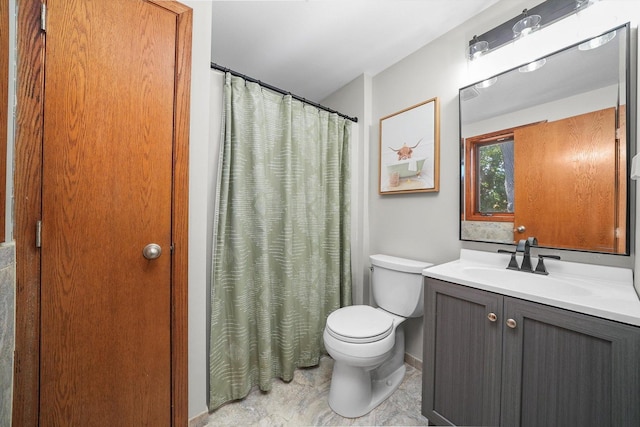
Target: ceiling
313, 48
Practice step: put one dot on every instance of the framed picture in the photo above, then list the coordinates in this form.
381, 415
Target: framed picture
410, 150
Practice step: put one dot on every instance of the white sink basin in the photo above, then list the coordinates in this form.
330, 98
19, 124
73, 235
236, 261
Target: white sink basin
597, 290
525, 281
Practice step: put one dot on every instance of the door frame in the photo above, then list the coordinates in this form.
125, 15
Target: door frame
28, 210
5, 54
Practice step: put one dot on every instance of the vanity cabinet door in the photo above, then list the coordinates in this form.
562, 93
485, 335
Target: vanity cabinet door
563, 368
462, 355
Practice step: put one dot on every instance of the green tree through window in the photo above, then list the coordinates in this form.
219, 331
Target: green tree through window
495, 177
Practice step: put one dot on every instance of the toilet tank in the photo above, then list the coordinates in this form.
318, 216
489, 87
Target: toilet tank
397, 284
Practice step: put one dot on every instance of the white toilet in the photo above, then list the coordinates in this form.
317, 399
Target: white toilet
367, 343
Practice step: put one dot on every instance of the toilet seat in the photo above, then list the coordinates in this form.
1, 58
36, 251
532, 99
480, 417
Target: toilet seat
359, 324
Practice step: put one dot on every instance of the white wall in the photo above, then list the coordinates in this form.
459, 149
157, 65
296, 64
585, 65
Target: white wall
586, 102
354, 100
199, 209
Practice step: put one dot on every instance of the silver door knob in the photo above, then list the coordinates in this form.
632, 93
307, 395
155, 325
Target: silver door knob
521, 229
152, 251
511, 323
492, 317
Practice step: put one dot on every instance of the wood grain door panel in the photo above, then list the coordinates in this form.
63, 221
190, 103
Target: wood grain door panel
31, 42
107, 181
566, 182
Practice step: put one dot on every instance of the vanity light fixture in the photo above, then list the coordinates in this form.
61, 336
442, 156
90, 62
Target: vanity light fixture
532, 66
526, 25
486, 83
533, 19
477, 48
596, 42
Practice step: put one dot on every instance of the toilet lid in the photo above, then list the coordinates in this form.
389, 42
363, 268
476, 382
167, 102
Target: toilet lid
359, 324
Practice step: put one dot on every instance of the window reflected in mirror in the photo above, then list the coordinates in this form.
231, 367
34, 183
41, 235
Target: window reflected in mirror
490, 172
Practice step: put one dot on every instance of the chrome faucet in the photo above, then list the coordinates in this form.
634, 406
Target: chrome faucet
540, 268
524, 247
513, 262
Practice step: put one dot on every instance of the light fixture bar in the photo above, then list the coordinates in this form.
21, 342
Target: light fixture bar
526, 25
549, 11
478, 48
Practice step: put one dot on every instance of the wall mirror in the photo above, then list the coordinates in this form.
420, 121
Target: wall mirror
544, 150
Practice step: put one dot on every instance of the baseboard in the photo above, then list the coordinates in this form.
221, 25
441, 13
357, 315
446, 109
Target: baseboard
413, 361
199, 420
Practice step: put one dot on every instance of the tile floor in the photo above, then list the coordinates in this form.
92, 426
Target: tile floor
304, 402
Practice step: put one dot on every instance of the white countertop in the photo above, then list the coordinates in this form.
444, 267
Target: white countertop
597, 290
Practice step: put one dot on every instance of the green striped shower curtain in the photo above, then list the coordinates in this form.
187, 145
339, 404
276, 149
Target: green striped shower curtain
281, 259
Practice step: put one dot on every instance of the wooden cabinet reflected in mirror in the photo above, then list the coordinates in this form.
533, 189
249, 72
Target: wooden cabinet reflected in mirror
552, 162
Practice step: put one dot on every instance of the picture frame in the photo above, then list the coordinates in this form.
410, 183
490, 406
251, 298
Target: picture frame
409, 150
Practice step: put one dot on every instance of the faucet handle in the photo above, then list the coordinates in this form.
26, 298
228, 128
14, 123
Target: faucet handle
532, 241
522, 246
540, 268
513, 263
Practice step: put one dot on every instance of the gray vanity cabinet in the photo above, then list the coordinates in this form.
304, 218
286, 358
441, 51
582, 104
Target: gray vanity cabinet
494, 360
462, 362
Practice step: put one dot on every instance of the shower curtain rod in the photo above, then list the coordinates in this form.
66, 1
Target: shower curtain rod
281, 91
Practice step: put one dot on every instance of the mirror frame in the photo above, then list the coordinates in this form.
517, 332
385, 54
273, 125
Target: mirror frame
630, 140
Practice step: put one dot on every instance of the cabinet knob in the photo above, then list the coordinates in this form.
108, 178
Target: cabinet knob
492, 317
511, 323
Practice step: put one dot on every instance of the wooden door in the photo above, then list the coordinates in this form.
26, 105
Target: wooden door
462, 355
566, 182
108, 165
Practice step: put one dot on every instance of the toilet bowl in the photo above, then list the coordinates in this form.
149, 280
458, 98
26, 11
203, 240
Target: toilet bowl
367, 343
